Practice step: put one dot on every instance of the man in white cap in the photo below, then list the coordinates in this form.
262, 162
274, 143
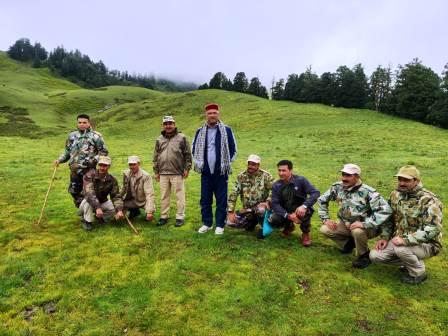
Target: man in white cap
171, 164
362, 210
138, 191
98, 186
254, 187
415, 231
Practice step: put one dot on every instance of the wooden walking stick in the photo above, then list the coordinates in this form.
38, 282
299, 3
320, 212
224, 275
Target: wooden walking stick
130, 224
46, 196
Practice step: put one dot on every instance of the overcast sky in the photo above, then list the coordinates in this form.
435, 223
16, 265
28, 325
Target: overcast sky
191, 40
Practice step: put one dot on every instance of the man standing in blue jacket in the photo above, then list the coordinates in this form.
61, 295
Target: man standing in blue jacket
214, 149
293, 197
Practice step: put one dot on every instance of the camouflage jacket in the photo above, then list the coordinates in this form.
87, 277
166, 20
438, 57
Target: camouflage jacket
97, 188
251, 188
358, 203
417, 217
82, 149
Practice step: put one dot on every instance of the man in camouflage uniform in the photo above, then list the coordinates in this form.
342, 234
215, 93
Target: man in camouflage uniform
415, 231
82, 149
253, 186
98, 185
361, 212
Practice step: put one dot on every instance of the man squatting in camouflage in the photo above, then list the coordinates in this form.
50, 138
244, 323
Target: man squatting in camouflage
361, 212
253, 186
82, 150
98, 185
415, 230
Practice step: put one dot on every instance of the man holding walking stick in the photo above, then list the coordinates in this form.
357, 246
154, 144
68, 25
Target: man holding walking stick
82, 150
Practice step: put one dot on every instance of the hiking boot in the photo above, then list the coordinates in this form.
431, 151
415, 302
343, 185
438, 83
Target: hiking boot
179, 222
408, 279
134, 212
204, 229
162, 221
306, 239
349, 246
87, 225
362, 261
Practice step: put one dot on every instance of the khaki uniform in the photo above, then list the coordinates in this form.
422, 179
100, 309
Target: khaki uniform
138, 191
358, 203
417, 218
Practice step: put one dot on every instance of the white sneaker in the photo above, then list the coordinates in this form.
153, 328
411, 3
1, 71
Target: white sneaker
204, 229
219, 231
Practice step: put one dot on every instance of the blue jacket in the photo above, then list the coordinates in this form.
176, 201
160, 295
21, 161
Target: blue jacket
303, 189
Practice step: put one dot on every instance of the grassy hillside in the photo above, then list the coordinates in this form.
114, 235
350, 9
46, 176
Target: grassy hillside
60, 280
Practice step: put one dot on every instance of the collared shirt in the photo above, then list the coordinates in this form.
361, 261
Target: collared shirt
211, 149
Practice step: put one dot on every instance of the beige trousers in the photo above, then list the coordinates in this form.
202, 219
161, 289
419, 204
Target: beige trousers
175, 183
342, 234
410, 257
86, 211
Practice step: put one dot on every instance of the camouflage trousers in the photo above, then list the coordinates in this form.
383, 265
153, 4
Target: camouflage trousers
410, 257
87, 214
76, 184
342, 234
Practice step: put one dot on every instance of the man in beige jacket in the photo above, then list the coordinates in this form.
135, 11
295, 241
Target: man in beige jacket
137, 191
171, 163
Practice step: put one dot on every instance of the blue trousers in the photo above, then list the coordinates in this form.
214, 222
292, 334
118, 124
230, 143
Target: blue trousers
214, 185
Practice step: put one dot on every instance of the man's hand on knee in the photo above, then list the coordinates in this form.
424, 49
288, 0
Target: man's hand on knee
356, 225
330, 224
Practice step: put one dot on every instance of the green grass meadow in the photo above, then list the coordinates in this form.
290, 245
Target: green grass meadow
58, 279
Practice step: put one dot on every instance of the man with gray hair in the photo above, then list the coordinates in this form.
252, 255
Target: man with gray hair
415, 231
137, 191
362, 210
171, 164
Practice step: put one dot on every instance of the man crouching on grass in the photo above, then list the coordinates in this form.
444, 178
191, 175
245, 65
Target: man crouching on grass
293, 197
98, 185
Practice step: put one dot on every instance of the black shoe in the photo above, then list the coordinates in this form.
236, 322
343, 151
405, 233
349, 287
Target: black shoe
179, 222
414, 280
349, 246
134, 212
363, 261
162, 221
403, 270
87, 225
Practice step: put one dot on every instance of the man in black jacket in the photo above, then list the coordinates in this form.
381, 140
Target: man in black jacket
293, 197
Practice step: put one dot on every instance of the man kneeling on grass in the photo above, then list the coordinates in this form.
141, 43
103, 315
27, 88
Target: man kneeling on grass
293, 197
361, 212
415, 231
137, 191
98, 185
254, 187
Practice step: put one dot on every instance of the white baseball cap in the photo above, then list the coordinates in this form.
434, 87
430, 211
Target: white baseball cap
254, 158
351, 169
